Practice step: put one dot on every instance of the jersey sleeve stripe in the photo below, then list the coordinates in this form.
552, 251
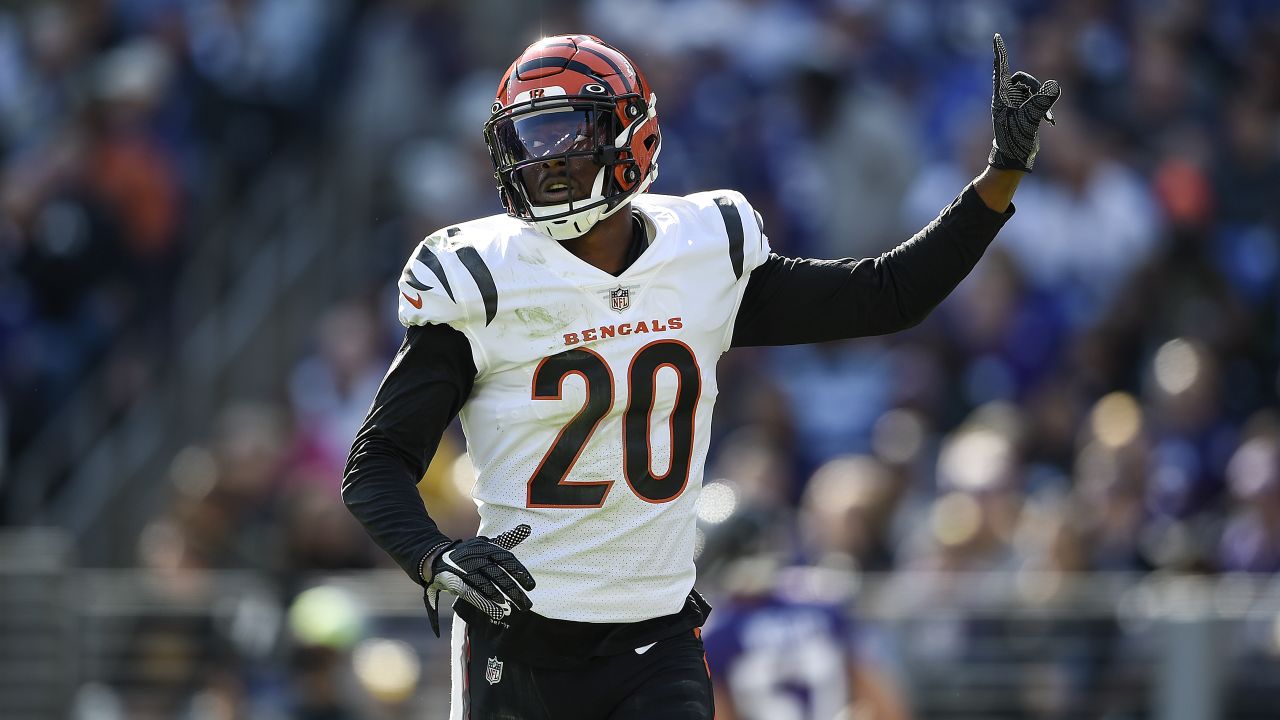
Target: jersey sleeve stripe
408, 278
428, 258
474, 264
732, 223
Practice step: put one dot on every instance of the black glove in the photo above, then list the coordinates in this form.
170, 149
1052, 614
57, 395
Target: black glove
1018, 104
484, 573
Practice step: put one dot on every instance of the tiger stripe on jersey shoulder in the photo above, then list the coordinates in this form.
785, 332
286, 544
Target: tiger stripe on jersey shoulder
475, 265
450, 277
428, 258
733, 226
728, 221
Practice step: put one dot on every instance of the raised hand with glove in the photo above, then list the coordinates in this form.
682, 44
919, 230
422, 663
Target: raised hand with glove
482, 572
1018, 104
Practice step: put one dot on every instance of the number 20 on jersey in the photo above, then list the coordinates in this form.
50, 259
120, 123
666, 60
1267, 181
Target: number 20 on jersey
549, 486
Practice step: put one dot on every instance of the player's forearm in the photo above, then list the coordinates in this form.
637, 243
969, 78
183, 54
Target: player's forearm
421, 394
792, 301
996, 187
920, 273
381, 491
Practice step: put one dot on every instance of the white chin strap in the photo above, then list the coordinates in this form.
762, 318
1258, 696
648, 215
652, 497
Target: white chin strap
578, 223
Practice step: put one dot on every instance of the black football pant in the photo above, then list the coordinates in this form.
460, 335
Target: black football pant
668, 680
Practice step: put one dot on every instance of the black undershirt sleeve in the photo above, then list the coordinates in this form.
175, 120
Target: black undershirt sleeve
429, 380
797, 300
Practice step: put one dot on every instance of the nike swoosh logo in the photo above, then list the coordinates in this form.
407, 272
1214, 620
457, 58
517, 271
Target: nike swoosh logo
505, 608
415, 301
448, 560
645, 649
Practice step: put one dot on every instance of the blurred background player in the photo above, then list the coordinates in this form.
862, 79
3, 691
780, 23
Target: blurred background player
783, 642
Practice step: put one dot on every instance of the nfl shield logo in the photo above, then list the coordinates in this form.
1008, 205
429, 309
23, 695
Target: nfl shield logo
620, 298
493, 672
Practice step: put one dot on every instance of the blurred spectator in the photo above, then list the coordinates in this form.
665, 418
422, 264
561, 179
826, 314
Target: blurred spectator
1251, 540
835, 392
330, 391
1110, 484
845, 513
1084, 223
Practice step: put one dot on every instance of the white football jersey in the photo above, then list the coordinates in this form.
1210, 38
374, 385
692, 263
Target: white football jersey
591, 411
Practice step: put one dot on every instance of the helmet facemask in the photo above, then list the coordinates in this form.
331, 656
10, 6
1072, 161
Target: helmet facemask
540, 140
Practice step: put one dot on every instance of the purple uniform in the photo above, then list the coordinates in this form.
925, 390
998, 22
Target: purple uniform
781, 659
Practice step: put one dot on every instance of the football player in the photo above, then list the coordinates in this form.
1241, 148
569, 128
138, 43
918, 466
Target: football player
787, 652
577, 336
783, 643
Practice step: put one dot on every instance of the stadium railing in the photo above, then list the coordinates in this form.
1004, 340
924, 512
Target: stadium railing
77, 643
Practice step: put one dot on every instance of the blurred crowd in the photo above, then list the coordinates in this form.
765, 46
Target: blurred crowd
1100, 394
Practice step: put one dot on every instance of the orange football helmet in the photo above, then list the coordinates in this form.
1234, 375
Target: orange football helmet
567, 98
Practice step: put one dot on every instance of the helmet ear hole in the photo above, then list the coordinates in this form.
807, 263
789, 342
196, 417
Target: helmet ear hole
650, 141
626, 176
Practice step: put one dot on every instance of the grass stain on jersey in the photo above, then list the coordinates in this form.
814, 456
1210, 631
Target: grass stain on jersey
540, 321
